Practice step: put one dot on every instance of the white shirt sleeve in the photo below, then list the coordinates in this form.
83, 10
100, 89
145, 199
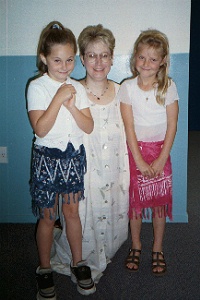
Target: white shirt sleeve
124, 94
172, 94
36, 97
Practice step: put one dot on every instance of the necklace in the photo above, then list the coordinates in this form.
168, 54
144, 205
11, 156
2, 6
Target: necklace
146, 92
98, 97
147, 95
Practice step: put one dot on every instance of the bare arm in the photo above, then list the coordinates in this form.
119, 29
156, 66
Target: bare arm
43, 120
172, 118
128, 119
83, 118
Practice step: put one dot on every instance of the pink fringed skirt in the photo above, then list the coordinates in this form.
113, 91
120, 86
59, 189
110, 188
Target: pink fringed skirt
150, 195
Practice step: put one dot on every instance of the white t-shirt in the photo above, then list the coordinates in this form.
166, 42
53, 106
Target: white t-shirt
40, 94
150, 119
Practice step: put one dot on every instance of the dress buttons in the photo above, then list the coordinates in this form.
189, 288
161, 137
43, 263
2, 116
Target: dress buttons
105, 146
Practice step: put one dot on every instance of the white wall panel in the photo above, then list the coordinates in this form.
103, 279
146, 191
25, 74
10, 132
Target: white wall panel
23, 20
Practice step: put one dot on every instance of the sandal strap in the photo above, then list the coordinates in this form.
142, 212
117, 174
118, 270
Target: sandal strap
134, 250
157, 256
158, 253
160, 262
135, 259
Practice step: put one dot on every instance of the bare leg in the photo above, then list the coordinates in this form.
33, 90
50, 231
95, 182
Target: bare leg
44, 237
73, 227
159, 230
135, 225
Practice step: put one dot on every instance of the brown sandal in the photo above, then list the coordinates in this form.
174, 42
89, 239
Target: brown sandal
158, 262
134, 259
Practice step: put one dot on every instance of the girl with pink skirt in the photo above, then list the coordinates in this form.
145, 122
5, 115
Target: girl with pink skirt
149, 107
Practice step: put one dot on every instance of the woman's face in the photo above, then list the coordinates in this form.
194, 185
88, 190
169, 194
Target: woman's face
97, 60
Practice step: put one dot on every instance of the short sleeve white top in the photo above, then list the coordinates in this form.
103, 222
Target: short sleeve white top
150, 118
40, 94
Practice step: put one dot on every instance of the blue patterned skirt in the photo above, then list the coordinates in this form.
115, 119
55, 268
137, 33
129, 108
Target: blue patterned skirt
56, 172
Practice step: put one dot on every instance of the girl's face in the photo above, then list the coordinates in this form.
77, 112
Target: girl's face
97, 60
60, 62
148, 62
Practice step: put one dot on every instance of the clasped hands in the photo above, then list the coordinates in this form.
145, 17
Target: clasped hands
153, 170
66, 94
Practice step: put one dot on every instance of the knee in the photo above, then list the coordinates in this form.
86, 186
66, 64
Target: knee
48, 217
71, 215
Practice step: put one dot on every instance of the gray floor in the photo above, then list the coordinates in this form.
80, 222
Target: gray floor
18, 258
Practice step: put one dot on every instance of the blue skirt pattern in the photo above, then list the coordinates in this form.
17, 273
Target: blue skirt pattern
56, 172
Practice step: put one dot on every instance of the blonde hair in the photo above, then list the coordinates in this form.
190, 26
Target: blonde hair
96, 33
159, 42
54, 33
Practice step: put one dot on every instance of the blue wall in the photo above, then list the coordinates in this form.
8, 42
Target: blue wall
16, 133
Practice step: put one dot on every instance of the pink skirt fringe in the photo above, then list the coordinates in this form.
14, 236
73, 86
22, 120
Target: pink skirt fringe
146, 195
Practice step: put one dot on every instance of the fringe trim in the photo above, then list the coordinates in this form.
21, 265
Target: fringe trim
158, 211
39, 211
154, 188
150, 195
49, 166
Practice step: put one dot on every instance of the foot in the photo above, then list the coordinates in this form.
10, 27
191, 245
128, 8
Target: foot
133, 260
81, 274
46, 288
158, 263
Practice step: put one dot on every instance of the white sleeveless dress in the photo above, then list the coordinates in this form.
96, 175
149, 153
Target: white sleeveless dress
103, 212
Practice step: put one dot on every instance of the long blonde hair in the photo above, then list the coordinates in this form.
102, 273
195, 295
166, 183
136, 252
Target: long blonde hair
159, 42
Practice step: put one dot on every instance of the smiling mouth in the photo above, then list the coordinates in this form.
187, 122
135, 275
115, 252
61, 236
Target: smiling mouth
98, 69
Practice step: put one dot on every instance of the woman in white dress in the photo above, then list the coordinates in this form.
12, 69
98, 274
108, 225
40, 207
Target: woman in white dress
104, 211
